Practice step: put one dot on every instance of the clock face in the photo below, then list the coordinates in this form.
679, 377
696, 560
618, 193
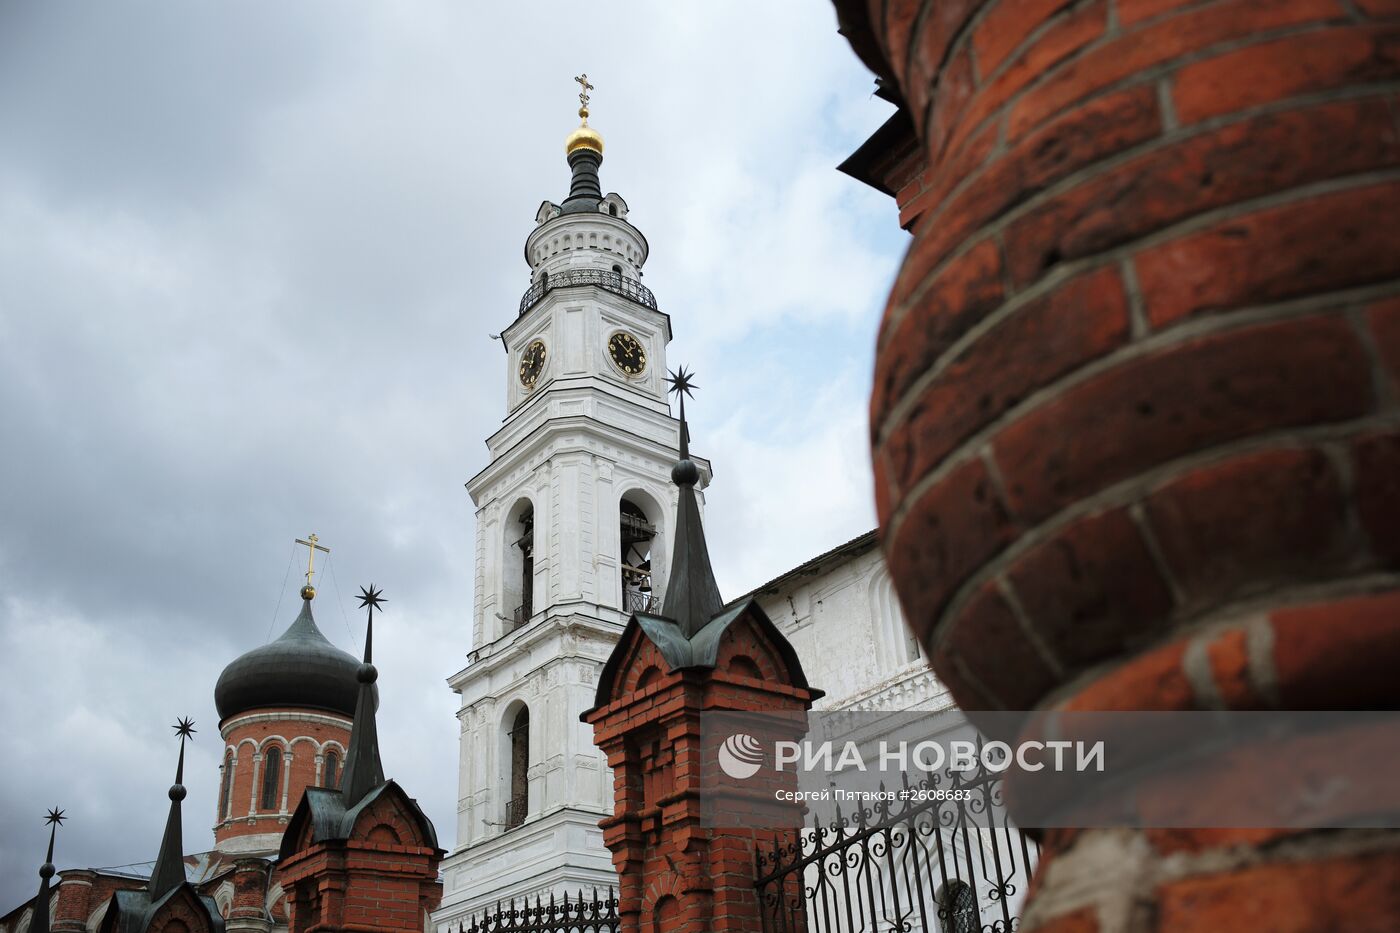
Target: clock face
532, 363
626, 351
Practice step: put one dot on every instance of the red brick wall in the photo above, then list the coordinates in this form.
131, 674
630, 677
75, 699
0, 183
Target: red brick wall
1136, 394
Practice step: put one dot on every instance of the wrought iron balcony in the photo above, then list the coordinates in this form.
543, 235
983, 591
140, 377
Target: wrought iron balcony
613, 282
516, 808
640, 601
520, 616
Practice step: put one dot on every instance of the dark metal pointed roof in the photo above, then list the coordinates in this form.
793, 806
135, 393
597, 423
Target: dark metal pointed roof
169, 870
39, 919
692, 594
363, 770
301, 668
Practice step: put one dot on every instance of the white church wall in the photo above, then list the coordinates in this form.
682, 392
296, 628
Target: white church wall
848, 630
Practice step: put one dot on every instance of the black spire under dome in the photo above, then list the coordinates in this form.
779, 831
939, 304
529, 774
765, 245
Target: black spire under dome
300, 669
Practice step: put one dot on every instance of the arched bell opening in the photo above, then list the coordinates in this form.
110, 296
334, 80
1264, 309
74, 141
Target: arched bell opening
515, 773
518, 566
639, 533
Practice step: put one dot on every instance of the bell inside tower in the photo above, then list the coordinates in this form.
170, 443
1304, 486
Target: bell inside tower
636, 536
520, 566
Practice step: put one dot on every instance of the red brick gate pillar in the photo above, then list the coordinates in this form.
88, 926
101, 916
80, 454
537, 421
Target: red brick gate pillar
681, 870
1135, 421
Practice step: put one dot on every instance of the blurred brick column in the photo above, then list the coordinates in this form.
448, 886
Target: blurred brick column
75, 901
249, 911
1134, 420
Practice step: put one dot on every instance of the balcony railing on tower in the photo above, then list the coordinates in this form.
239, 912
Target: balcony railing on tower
639, 600
516, 808
614, 282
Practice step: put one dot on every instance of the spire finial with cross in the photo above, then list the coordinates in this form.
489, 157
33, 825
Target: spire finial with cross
584, 88
308, 591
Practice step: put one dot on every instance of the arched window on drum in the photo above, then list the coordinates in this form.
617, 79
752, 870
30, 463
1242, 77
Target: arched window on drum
332, 773
272, 779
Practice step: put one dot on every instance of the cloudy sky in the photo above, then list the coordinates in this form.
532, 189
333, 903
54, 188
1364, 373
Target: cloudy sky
250, 255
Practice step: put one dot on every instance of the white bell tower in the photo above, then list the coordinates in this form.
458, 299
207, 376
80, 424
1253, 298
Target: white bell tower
573, 534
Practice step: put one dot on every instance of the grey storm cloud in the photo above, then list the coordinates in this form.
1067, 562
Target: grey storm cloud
250, 258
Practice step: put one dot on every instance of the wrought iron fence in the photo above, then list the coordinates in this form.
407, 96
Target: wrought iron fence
921, 862
614, 282
569, 915
520, 616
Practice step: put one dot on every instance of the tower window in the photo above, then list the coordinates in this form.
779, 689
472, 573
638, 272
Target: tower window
526, 543
636, 535
617, 268
518, 804
332, 778
272, 778
612, 209
517, 593
226, 787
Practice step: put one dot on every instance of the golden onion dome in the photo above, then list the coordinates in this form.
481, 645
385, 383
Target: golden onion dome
585, 137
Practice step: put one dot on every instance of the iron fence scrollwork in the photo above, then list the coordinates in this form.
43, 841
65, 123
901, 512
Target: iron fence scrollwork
939, 858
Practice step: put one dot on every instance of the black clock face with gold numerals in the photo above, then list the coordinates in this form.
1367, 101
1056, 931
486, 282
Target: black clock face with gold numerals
532, 363
627, 353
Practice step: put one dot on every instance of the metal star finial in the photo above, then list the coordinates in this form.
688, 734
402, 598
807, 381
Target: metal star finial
185, 728
681, 387
55, 816
372, 598
680, 382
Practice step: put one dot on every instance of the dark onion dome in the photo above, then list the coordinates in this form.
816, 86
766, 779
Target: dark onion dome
301, 669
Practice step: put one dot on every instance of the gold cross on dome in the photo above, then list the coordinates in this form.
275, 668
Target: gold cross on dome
584, 88
311, 548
